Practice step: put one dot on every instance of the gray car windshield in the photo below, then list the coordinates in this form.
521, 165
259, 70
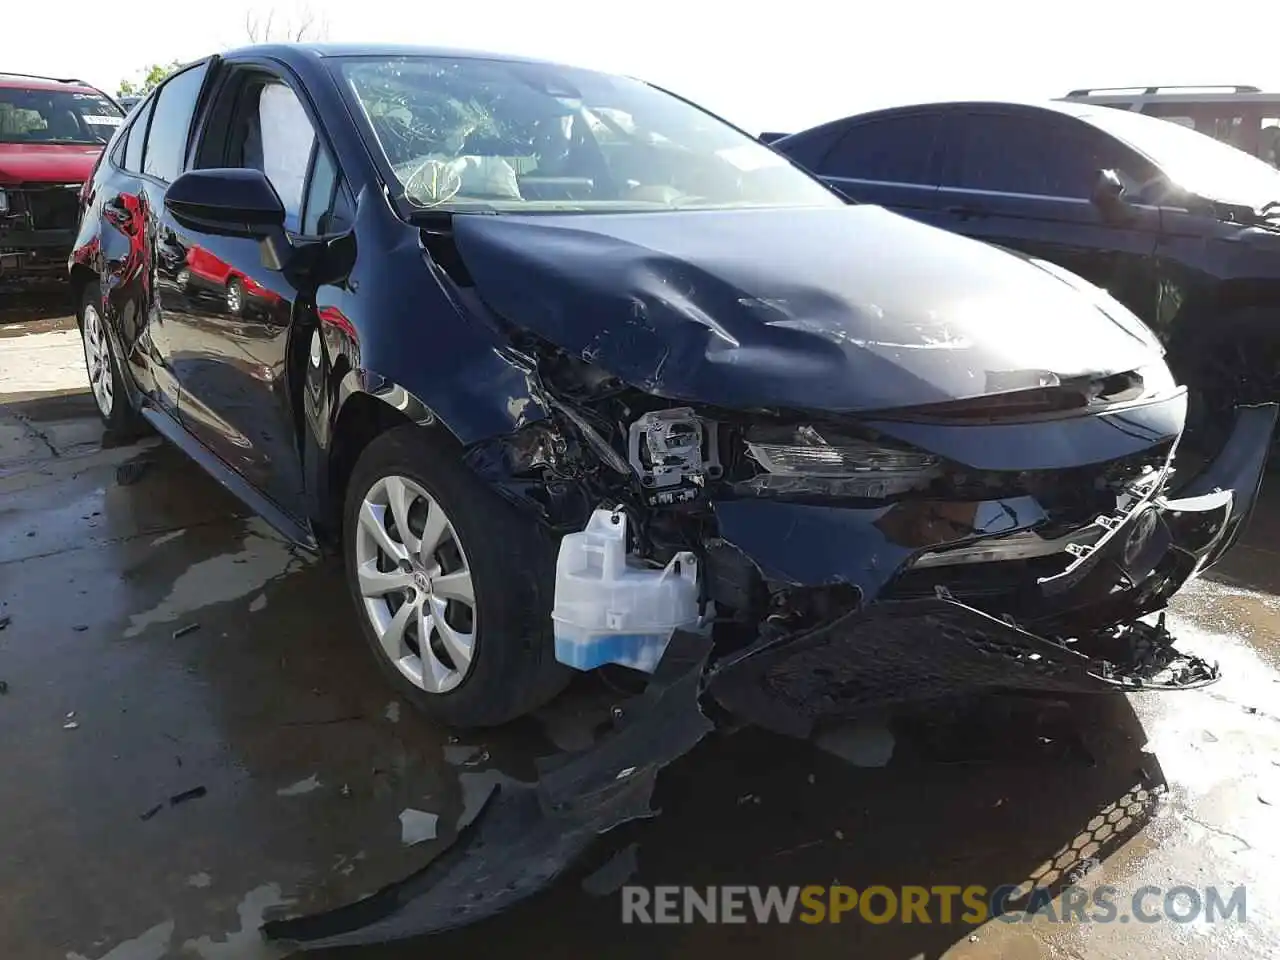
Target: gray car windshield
463, 133
56, 116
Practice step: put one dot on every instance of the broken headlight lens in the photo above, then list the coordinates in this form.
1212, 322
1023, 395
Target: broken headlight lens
806, 461
673, 452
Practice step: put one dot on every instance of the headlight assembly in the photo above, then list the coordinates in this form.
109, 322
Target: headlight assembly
1156, 378
673, 452
814, 461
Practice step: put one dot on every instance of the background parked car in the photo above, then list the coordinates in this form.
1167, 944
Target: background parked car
52, 132
1242, 116
1179, 227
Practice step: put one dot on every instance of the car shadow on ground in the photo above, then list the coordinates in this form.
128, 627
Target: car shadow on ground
34, 304
1007, 791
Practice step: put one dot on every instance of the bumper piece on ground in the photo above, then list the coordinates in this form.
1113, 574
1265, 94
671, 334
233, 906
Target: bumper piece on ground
526, 835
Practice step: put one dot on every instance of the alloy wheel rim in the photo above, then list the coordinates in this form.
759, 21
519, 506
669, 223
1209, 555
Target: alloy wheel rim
97, 360
415, 583
233, 298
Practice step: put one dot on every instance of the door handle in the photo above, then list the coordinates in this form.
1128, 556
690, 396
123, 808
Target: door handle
961, 212
115, 211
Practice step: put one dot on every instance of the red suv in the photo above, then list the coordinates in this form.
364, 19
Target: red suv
51, 135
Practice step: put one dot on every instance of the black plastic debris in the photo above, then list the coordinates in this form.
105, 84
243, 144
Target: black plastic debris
613, 873
526, 835
195, 793
130, 473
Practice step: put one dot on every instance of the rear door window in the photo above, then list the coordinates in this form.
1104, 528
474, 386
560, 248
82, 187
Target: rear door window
137, 135
902, 149
175, 105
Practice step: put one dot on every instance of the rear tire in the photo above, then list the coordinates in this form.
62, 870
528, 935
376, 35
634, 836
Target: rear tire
106, 376
457, 613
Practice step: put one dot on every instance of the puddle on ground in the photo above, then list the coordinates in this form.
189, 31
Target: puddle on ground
263, 557
863, 744
417, 826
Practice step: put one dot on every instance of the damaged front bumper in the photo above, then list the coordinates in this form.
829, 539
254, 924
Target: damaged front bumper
1077, 629
889, 648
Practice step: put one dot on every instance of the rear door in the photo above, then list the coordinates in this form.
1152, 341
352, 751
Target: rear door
235, 319
139, 235
122, 233
892, 161
1025, 180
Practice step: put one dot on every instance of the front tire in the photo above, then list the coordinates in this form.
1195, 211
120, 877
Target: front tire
452, 585
106, 379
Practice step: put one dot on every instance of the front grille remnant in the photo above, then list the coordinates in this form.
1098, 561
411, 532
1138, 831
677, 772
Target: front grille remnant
54, 207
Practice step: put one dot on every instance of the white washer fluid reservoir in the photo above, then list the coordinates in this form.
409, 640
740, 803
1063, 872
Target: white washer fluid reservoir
609, 607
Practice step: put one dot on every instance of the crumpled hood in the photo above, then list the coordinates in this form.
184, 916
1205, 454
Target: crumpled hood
46, 162
840, 309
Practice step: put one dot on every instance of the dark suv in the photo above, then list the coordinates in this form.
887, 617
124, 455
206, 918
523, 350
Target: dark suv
567, 366
52, 132
1182, 229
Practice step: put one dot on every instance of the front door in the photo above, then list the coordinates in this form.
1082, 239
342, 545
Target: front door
1026, 182
234, 317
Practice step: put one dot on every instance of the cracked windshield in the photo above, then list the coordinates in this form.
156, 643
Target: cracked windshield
467, 134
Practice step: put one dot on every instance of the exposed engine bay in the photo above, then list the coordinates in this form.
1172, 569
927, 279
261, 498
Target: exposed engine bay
842, 567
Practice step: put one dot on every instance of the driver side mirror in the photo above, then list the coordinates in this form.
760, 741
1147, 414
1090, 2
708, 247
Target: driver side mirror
1108, 193
228, 202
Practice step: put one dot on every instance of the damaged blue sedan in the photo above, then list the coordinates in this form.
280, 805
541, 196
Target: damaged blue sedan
566, 367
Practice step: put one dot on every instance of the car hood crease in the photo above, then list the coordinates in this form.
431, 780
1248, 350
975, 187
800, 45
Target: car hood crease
839, 310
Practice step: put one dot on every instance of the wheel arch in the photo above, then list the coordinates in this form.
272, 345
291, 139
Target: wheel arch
81, 276
366, 406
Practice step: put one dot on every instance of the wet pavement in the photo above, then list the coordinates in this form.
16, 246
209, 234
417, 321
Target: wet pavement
193, 739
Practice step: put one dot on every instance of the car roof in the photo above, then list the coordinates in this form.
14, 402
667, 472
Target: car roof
23, 81
321, 51
1071, 108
